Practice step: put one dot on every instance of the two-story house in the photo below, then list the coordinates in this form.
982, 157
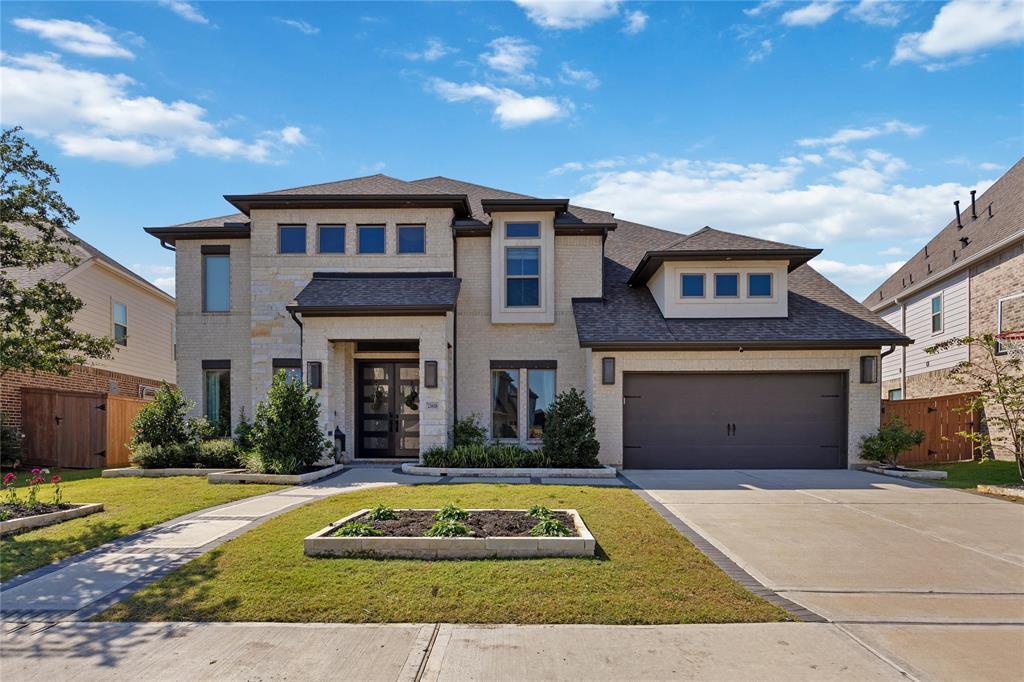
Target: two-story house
968, 279
408, 304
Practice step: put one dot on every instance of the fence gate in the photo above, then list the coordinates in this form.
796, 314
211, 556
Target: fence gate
121, 411
64, 428
935, 416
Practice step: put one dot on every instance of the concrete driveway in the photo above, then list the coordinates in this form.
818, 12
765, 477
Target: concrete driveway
931, 577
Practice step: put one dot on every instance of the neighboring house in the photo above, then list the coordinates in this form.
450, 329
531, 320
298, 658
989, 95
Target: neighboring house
408, 304
968, 279
118, 304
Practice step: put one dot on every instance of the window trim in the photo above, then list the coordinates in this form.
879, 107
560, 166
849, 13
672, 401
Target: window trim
305, 239
727, 296
205, 302
398, 238
771, 285
115, 324
359, 239
506, 277
703, 285
941, 313
895, 390
344, 237
999, 318
522, 222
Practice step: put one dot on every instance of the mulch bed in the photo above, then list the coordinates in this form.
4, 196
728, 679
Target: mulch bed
20, 511
482, 524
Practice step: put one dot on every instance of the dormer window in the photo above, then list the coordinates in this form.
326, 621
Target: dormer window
522, 230
692, 285
759, 285
522, 276
727, 285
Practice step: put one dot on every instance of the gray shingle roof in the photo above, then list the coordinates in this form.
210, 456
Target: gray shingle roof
1006, 197
352, 292
370, 184
710, 239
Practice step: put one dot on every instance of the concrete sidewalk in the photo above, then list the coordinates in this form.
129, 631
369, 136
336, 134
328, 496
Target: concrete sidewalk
246, 651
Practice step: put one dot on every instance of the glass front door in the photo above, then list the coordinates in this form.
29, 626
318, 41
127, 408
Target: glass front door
388, 419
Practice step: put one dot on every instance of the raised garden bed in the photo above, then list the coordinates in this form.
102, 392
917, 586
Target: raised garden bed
497, 533
1004, 490
420, 470
25, 518
905, 472
134, 472
243, 476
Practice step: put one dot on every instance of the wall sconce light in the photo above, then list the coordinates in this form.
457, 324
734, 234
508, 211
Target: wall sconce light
430, 374
608, 371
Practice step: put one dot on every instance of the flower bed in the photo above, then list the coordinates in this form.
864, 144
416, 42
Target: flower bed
43, 516
452, 533
17, 514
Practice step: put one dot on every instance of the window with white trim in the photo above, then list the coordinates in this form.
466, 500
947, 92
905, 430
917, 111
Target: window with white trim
937, 314
121, 324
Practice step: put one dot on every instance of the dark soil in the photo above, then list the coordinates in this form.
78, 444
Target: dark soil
482, 524
20, 511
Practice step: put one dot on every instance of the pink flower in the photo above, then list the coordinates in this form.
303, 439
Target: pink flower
55, 480
36, 471
9, 479
37, 480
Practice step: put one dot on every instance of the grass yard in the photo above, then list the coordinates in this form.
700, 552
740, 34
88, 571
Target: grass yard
129, 505
645, 572
972, 474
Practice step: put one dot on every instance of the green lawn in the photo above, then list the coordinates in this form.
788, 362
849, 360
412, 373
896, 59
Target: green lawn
645, 572
983, 472
129, 504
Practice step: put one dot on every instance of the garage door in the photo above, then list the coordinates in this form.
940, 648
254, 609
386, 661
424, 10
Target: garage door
734, 421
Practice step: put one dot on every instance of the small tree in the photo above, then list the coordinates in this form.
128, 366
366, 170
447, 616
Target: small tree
286, 428
999, 381
468, 431
891, 441
570, 438
162, 421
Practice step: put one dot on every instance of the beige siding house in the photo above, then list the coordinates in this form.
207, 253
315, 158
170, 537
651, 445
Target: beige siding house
408, 304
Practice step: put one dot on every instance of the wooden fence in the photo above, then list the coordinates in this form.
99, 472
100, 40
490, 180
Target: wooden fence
121, 411
941, 425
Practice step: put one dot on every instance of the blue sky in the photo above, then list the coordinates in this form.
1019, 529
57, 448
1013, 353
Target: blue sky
847, 126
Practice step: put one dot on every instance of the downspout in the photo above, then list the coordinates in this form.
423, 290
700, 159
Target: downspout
169, 248
298, 322
881, 358
455, 331
903, 352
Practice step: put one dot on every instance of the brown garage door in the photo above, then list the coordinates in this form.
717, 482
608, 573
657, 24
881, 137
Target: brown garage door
734, 420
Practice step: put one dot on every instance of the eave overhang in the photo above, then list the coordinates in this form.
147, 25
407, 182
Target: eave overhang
171, 234
459, 203
653, 260
524, 205
739, 345
368, 311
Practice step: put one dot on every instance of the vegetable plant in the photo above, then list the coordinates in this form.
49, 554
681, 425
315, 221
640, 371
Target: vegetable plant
448, 529
451, 512
550, 527
382, 513
358, 530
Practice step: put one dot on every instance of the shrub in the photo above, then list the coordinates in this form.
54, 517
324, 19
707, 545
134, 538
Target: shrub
285, 432
448, 529
358, 530
222, 453
468, 431
539, 512
550, 527
162, 421
569, 434
892, 440
10, 441
243, 432
381, 513
214, 454
201, 428
498, 455
451, 512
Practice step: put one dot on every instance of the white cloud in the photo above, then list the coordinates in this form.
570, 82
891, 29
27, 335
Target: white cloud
989, 166
293, 135
435, 49
846, 135
810, 15
762, 7
761, 51
74, 36
160, 275
635, 22
512, 57
893, 251
878, 12
185, 10
511, 109
567, 14
570, 76
299, 25
97, 116
851, 274
963, 27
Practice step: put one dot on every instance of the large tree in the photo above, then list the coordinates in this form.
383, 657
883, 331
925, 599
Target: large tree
35, 319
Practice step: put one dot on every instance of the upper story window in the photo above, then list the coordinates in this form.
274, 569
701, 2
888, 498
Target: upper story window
727, 285
291, 239
412, 239
759, 285
216, 283
121, 324
522, 230
937, 314
371, 239
522, 276
332, 239
691, 285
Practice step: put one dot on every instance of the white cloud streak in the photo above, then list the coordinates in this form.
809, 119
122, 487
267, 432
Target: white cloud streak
434, 50
759, 53
568, 14
810, 15
74, 36
511, 109
634, 22
570, 76
878, 12
185, 10
847, 135
299, 25
512, 57
961, 28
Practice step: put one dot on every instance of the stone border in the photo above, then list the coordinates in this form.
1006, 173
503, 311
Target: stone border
418, 470
923, 474
41, 520
135, 472
1003, 490
243, 476
323, 544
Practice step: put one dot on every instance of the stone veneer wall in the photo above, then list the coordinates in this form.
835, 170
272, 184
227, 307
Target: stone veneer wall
862, 401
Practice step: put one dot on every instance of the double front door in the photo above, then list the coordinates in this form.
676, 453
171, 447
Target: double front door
388, 417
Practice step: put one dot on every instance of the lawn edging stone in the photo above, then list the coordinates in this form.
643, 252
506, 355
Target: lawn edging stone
1004, 490
243, 476
41, 520
923, 474
416, 469
324, 543
136, 472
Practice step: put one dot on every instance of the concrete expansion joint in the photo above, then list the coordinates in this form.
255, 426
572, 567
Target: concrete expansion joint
880, 656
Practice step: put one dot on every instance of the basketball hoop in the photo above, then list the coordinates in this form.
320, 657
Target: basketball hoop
1012, 342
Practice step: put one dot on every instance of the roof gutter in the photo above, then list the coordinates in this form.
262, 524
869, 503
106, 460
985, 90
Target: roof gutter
838, 344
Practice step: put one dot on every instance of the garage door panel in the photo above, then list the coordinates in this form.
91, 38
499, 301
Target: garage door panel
734, 420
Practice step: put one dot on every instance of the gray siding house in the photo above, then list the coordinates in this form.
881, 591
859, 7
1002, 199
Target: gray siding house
407, 304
